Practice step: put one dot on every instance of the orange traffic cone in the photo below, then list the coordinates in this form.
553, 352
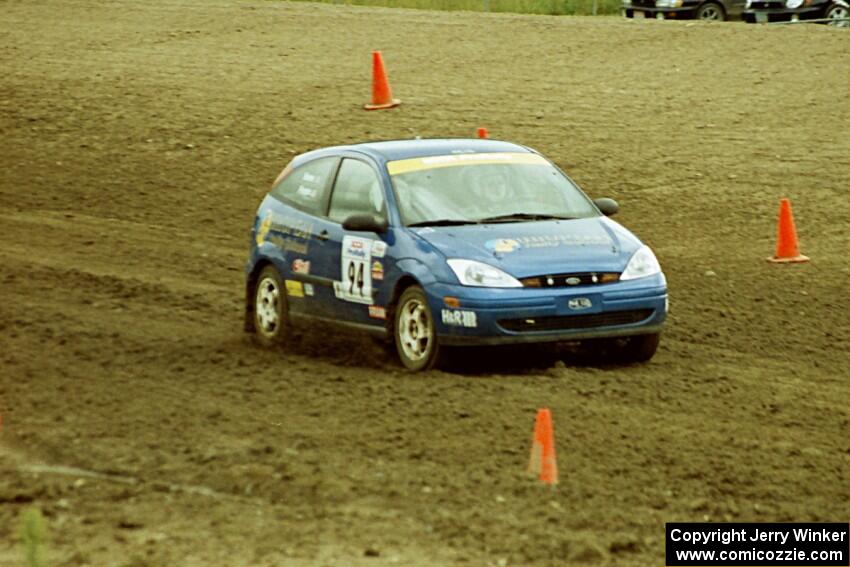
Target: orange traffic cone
482, 132
382, 96
542, 462
787, 249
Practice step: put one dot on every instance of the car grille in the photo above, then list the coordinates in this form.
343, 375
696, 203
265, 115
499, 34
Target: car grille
643, 3
570, 280
766, 5
568, 322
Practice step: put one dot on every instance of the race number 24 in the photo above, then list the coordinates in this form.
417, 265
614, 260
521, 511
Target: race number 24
356, 278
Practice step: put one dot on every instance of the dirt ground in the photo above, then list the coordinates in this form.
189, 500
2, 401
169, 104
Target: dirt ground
137, 141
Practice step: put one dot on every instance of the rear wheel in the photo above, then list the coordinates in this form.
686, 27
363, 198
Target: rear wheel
711, 12
839, 14
414, 331
271, 321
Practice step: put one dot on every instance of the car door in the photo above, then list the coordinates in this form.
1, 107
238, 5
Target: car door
289, 226
354, 260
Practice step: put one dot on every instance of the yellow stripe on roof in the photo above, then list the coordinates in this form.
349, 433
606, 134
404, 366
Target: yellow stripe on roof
434, 162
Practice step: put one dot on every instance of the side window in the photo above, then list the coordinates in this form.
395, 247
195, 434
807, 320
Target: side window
357, 191
306, 187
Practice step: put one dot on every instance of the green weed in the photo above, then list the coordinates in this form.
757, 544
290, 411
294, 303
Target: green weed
32, 537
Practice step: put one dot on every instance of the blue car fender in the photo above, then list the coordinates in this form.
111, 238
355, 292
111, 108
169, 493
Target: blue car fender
406, 272
408, 268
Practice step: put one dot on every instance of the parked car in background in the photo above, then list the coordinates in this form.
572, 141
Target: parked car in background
684, 9
766, 11
434, 243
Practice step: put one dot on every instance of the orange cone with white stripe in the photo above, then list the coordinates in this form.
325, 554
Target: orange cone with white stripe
382, 95
543, 463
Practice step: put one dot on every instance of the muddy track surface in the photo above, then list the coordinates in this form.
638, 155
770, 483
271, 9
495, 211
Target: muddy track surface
137, 140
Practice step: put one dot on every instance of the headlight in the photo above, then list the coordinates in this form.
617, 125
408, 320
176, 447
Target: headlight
643, 263
793, 4
668, 3
478, 274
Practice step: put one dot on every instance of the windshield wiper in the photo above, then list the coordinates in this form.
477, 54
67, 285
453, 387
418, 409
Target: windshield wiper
518, 217
442, 222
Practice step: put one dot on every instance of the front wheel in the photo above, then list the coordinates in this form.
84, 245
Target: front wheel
414, 331
711, 12
624, 350
839, 16
271, 316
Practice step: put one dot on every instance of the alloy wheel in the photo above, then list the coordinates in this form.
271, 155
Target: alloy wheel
840, 15
415, 331
267, 306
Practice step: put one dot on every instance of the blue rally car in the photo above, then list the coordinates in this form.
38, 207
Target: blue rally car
436, 243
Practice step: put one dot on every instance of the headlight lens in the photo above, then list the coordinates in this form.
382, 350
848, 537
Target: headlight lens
478, 274
668, 3
643, 263
793, 4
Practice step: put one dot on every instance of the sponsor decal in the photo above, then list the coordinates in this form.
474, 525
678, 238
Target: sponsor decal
297, 228
288, 244
307, 192
379, 248
502, 245
294, 288
300, 266
308, 289
578, 303
288, 234
377, 270
265, 227
554, 240
377, 312
459, 318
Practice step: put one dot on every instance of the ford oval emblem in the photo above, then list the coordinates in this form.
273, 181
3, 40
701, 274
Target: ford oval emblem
573, 280
579, 303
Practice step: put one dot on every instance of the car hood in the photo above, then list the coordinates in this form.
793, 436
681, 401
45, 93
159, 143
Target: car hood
536, 248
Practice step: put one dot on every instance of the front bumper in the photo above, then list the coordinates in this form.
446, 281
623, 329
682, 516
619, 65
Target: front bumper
526, 315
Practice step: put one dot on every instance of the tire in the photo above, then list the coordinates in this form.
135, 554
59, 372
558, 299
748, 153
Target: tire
711, 11
414, 331
639, 348
271, 312
836, 11
624, 350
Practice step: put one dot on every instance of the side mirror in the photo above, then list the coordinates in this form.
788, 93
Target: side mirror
609, 207
365, 223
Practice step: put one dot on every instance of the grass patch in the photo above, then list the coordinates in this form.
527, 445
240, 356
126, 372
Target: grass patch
547, 7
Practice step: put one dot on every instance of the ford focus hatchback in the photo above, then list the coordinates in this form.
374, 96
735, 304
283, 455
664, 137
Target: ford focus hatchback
441, 243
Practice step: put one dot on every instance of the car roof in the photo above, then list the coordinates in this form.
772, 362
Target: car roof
392, 150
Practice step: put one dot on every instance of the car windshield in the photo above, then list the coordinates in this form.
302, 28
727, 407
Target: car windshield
479, 188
